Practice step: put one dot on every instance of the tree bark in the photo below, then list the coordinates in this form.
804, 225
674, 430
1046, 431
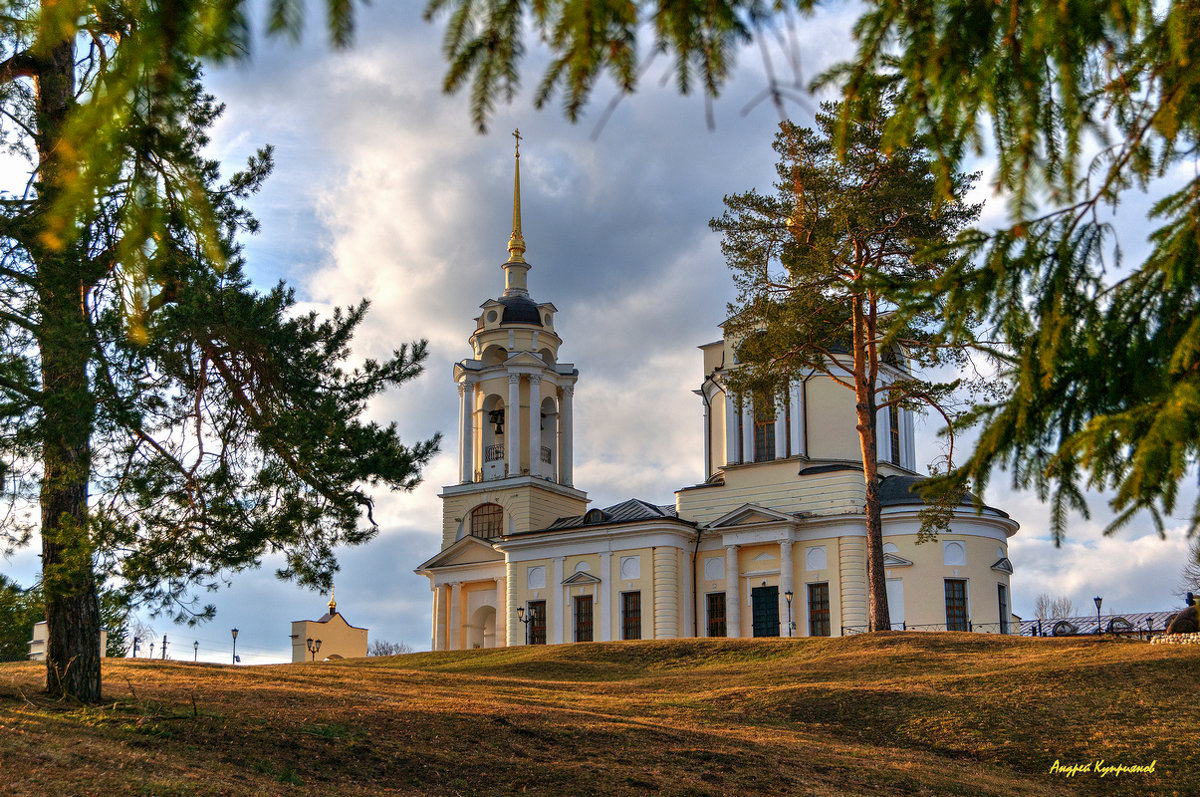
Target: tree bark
864, 389
68, 579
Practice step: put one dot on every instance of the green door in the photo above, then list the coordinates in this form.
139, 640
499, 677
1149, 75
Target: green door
765, 602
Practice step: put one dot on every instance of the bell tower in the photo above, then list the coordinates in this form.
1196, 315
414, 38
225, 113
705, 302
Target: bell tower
515, 412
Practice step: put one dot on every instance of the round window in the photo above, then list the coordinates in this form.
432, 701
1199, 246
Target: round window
491, 316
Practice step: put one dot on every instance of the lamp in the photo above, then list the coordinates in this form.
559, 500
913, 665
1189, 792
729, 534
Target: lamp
196, 648
1098, 601
791, 625
313, 645
235, 658
526, 618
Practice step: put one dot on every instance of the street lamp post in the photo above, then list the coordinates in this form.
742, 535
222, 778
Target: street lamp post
313, 646
235, 658
136, 641
196, 648
526, 619
791, 625
1097, 599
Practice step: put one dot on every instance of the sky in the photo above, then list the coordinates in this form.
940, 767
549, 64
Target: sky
383, 189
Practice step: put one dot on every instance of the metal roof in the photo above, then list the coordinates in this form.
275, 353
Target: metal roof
1086, 626
629, 511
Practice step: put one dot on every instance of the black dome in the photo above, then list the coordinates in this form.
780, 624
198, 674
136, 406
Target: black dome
520, 310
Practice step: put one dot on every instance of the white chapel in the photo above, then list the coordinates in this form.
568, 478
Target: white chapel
771, 543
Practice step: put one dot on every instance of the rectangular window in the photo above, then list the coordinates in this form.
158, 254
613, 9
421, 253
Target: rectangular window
894, 432
764, 430
1002, 593
583, 618
715, 612
956, 604
818, 609
631, 615
537, 626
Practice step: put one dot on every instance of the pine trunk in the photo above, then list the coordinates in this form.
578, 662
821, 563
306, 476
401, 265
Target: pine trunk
68, 579
878, 618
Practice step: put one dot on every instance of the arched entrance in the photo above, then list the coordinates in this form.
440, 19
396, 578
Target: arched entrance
481, 633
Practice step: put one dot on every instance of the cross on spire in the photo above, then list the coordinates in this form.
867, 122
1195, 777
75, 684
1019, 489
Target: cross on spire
516, 244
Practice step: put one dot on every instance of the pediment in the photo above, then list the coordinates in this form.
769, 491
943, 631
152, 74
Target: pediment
580, 578
748, 514
1003, 566
467, 551
892, 560
526, 358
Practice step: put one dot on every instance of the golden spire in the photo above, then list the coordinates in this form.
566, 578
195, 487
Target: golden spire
516, 244
332, 602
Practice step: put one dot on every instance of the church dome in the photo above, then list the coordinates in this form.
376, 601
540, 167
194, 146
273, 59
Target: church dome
520, 310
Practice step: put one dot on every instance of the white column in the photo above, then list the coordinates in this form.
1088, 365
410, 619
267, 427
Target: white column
435, 638
466, 430
687, 614
733, 601
606, 601
797, 428
501, 637
512, 424
564, 440
708, 463
557, 629
535, 425
748, 431
454, 621
732, 452
785, 584
516, 629
781, 429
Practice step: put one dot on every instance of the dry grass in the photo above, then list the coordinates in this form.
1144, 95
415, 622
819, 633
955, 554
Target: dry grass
882, 714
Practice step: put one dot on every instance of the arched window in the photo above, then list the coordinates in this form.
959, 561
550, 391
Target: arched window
487, 521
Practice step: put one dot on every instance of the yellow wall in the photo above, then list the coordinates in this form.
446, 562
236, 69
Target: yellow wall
924, 583
775, 485
832, 422
526, 507
339, 639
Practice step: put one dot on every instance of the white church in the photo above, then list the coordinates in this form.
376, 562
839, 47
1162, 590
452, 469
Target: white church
771, 543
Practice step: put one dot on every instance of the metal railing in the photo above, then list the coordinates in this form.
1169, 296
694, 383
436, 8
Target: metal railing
546, 454
493, 453
971, 627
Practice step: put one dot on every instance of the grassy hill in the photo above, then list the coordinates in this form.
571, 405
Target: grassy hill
899, 713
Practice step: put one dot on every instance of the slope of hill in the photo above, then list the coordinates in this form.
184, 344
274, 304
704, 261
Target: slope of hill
899, 713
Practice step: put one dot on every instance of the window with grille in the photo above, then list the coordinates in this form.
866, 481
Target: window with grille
583, 618
537, 627
956, 604
818, 609
487, 521
764, 429
631, 615
715, 604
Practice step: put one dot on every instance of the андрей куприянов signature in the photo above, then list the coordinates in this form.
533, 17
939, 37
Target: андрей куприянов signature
1099, 767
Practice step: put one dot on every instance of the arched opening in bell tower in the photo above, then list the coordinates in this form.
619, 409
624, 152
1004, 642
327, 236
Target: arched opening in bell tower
549, 439
493, 437
494, 355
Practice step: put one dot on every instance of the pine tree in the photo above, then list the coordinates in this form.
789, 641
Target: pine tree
819, 264
173, 424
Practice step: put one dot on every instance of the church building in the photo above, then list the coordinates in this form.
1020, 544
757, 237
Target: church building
771, 543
